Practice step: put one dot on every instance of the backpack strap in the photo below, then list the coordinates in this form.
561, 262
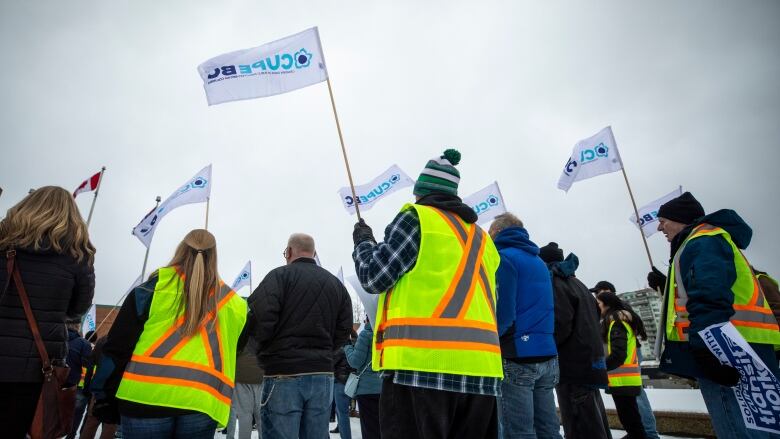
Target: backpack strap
12, 268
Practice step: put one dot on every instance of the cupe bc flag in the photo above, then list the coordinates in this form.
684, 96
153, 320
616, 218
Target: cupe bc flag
244, 278
488, 203
278, 67
88, 323
196, 190
648, 214
593, 156
758, 390
385, 184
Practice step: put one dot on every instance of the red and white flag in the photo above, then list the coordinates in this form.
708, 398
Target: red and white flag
88, 185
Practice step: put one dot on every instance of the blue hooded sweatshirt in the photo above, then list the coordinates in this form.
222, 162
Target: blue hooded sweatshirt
525, 310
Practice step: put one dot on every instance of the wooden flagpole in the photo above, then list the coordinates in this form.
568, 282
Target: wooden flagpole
343, 149
208, 202
636, 212
97, 189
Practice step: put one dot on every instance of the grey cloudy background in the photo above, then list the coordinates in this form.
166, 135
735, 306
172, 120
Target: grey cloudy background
690, 89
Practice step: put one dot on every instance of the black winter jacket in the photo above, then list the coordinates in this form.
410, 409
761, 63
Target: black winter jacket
300, 314
79, 355
58, 287
577, 328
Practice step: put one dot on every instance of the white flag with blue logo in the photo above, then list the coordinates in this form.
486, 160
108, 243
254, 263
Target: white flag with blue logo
88, 323
648, 214
593, 156
244, 278
370, 301
196, 190
368, 194
274, 68
488, 203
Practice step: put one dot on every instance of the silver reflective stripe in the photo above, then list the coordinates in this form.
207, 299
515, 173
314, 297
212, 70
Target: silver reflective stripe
625, 369
173, 340
458, 226
216, 356
440, 333
752, 316
483, 276
465, 282
182, 373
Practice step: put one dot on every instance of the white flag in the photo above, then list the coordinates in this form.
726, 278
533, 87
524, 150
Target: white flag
648, 214
88, 323
278, 67
244, 278
370, 301
591, 157
488, 203
368, 194
340, 274
196, 190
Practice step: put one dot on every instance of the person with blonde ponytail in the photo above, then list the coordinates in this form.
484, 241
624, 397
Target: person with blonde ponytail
45, 237
169, 361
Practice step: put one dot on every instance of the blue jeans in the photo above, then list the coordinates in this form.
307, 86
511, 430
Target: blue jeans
725, 414
527, 404
296, 406
342, 410
194, 426
645, 411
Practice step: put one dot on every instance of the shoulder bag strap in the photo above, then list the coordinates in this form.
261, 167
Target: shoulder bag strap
12, 267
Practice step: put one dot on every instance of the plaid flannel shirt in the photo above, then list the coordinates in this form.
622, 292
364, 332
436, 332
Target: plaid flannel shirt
379, 266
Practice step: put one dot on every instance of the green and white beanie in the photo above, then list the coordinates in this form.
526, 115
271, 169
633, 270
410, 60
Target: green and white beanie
439, 175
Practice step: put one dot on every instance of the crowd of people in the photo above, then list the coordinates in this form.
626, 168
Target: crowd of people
475, 332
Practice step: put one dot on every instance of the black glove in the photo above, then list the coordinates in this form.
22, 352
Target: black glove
362, 232
713, 370
106, 410
656, 280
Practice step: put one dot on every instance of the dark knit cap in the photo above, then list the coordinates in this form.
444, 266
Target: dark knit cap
684, 209
551, 253
439, 175
603, 285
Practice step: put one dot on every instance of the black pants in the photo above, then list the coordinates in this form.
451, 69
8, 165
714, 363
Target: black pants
17, 408
582, 412
628, 413
368, 405
412, 412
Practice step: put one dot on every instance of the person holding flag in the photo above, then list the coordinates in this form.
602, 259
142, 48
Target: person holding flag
168, 365
435, 267
710, 281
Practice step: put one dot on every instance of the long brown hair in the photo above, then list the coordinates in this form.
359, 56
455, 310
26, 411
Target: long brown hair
196, 259
47, 218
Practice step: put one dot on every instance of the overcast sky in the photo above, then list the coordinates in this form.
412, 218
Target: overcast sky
690, 89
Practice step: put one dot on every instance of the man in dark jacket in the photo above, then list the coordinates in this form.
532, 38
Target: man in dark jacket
580, 350
79, 360
299, 315
526, 321
710, 279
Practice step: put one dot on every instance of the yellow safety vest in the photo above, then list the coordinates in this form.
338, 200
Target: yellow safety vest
629, 374
440, 316
83, 376
752, 316
194, 373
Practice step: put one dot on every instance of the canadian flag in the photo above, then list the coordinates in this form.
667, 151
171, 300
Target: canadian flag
88, 185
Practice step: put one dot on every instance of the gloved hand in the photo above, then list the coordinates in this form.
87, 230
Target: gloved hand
656, 280
713, 370
106, 410
362, 232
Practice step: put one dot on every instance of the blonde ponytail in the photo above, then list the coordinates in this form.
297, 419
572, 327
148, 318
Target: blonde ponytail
196, 257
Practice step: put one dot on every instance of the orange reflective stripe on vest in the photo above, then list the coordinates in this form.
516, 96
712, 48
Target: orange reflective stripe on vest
447, 328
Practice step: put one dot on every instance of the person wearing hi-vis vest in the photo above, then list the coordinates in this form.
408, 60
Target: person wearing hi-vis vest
710, 282
620, 327
169, 361
435, 337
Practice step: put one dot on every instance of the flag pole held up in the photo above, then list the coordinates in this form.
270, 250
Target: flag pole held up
94, 199
636, 212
